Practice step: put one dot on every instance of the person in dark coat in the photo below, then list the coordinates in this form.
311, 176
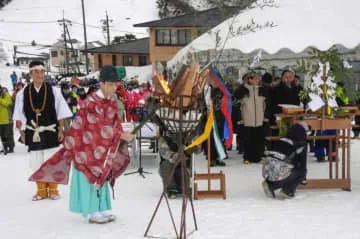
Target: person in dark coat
285, 92
285, 163
236, 115
267, 89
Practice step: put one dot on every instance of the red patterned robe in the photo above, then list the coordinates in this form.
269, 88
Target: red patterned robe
91, 144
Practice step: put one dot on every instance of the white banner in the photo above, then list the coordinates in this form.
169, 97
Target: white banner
148, 130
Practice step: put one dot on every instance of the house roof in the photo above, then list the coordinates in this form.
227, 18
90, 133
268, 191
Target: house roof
207, 18
32, 52
92, 44
61, 43
139, 46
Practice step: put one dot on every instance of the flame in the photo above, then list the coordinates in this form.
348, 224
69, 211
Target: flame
165, 85
162, 83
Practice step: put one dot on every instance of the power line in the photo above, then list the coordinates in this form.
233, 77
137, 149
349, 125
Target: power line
73, 22
28, 8
30, 44
27, 22
99, 27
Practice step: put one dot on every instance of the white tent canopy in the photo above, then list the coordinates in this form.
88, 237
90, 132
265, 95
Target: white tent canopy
298, 24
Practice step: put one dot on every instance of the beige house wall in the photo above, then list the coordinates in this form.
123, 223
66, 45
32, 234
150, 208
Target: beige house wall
60, 59
165, 53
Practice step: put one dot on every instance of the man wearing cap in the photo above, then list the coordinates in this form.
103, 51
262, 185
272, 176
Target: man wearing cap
93, 145
39, 111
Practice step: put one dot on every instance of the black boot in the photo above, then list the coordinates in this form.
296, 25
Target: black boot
220, 163
10, 150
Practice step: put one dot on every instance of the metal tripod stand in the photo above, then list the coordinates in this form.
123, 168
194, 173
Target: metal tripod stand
181, 115
140, 170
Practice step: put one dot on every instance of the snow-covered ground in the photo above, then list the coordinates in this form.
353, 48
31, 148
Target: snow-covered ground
246, 213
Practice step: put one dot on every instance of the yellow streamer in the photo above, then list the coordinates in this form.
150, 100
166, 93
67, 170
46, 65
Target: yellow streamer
328, 110
206, 133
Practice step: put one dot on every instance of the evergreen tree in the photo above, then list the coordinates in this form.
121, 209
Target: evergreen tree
122, 39
3, 3
171, 8
232, 3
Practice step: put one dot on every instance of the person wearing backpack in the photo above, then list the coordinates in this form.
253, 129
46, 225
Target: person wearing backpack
285, 163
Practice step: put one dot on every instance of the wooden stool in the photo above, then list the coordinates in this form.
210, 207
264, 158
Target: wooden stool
210, 193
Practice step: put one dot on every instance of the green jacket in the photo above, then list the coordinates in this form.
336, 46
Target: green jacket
5, 103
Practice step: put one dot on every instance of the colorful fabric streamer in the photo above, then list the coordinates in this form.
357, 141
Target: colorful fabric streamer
226, 108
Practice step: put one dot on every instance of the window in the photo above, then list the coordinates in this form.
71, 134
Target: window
184, 37
163, 37
74, 54
100, 60
127, 60
54, 54
172, 37
142, 60
114, 63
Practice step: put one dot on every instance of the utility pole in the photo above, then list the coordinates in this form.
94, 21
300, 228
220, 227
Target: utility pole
85, 39
74, 53
108, 28
65, 44
14, 56
63, 22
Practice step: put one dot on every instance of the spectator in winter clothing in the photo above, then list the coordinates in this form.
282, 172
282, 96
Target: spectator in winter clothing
277, 81
5, 103
236, 113
11, 142
19, 86
285, 163
71, 101
267, 88
82, 96
285, 92
252, 115
14, 79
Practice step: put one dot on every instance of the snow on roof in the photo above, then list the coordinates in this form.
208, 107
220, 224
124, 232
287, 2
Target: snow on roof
32, 50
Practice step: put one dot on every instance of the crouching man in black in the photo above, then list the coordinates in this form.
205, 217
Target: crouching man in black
285, 163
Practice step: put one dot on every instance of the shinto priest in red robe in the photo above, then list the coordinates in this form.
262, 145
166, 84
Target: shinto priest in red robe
91, 144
